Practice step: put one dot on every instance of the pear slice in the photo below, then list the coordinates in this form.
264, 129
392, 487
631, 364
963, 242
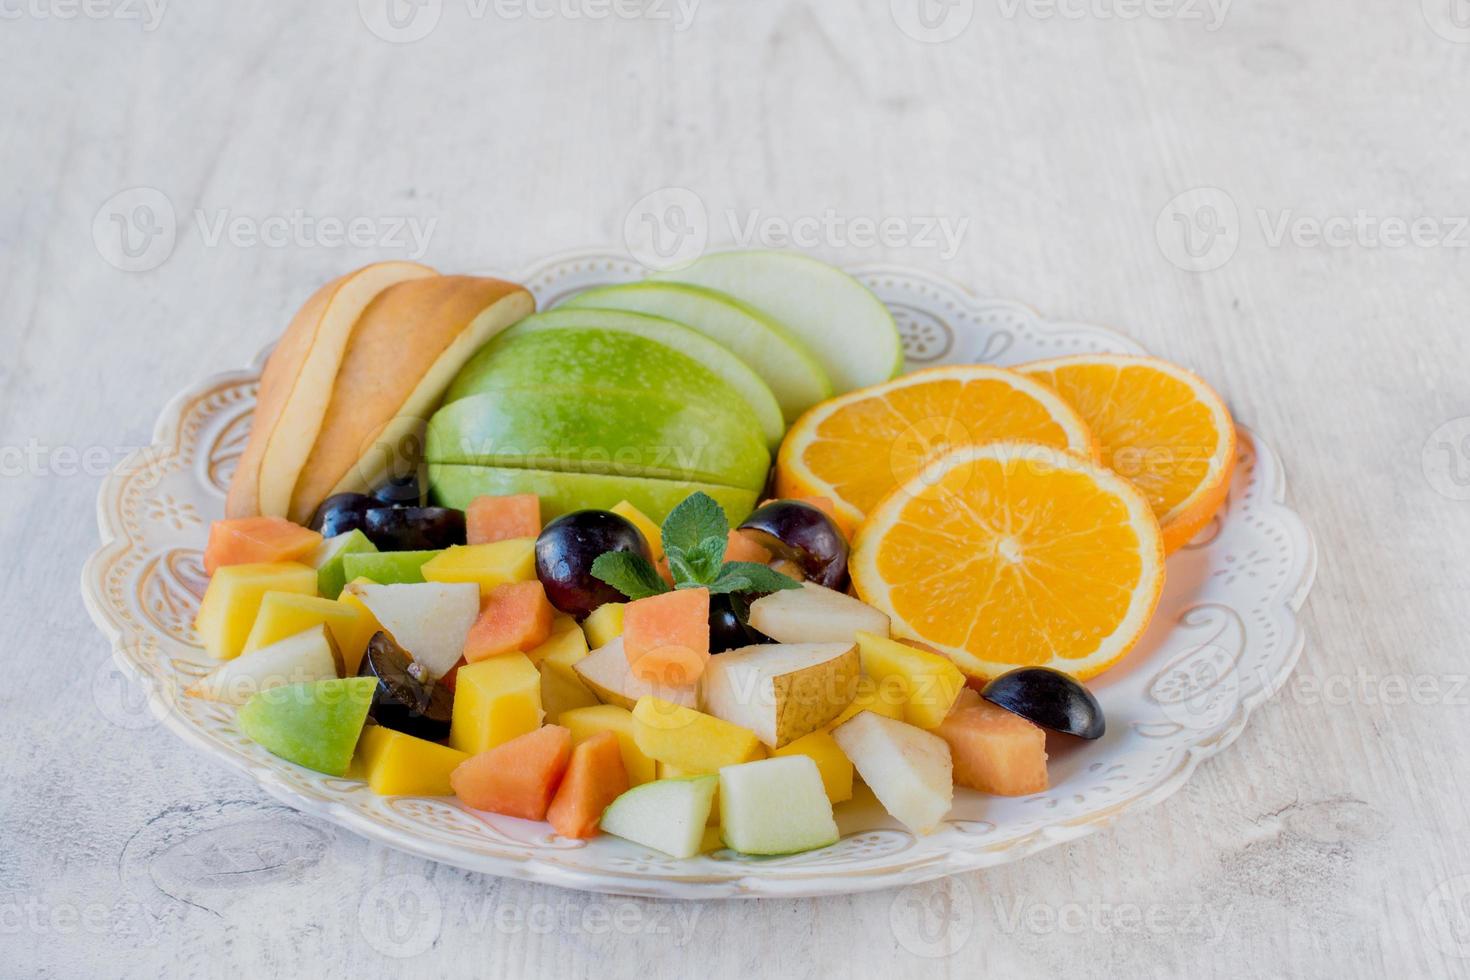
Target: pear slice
908, 769
428, 619
781, 691
606, 671
297, 383
308, 656
405, 350
815, 614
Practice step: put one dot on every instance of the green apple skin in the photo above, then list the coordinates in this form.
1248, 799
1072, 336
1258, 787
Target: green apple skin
315, 724
328, 560
387, 567
453, 485
839, 319
599, 430
775, 806
667, 815
794, 375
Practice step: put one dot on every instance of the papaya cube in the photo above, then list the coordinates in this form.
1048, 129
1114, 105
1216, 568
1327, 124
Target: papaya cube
518, 778
491, 519
605, 624
233, 598
691, 740
886, 697
666, 637
395, 764
594, 778
742, 547
495, 701
257, 540
284, 614
586, 722
645, 526
514, 617
933, 681
831, 762
994, 750
487, 565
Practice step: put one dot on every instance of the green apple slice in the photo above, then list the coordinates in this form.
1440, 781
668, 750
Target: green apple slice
456, 485
838, 318
795, 377
775, 806
329, 556
599, 430
386, 567
668, 815
313, 725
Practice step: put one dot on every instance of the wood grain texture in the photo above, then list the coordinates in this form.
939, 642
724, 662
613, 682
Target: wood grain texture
1329, 841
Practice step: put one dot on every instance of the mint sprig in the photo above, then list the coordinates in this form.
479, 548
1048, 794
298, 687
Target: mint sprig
695, 535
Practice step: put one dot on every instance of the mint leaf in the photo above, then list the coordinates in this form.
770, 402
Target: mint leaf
632, 575
748, 576
694, 538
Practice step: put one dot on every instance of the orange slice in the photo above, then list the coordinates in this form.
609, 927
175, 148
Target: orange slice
1012, 555
1159, 426
857, 447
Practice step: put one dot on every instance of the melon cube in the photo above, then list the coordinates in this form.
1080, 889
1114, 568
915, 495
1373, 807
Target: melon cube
487, 565
832, 763
495, 700
740, 546
518, 778
257, 540
689, 739
586, 722
514, 617
645, 526
396, 764
233, 598
933, 681
775, 806
594, 779
387, 567
666, 637
491, 519
284, 614
605, 624
994, 750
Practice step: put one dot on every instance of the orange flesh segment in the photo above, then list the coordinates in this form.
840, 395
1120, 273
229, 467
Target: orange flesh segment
517, 778
514, 616
593, 780
251, 540
490, 519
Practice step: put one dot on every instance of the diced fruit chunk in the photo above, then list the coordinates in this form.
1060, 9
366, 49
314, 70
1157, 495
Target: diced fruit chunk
607, 672
495, 701
690, 739
487, 565
407, 698
234, 596
813, 614
561, 650
492, 519
428, 619
668, 815
387, 567
398, 764
835, 767
514, 617
994, 750
908, 769
257, 540
933, 681
740, 546
313, 725
666, 771
666, 637
329, 560
605, 624
594, 779
650, 531
559, 695
587, 722
518, 778
886, 697
775, 806
781, 691
284, 614
307, 656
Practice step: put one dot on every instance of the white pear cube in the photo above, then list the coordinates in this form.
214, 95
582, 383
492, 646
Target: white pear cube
428, 619
781, 691
606, 671
907, 768
815, 614
308, 656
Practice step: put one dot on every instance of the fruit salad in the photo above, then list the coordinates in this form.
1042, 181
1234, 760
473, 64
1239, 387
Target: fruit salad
530, 560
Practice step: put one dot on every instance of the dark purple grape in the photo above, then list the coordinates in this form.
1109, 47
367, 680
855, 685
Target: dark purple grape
408, 698
341, 513
401, 491
413, 528
802, 534
1049, 698
569, 545
728, 629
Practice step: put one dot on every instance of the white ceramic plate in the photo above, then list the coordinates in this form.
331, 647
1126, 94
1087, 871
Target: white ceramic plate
1225, 638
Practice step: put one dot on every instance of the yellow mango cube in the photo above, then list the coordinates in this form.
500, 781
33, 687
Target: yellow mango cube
487, 565
561, 650
933, 681
605, 624
650, 531
395, 764
284, 614
832, 762
586, 722
886, 697
495, 700
559, 695
234, 596
691, 740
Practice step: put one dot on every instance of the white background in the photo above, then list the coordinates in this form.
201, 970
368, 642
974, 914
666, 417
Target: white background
1055, 140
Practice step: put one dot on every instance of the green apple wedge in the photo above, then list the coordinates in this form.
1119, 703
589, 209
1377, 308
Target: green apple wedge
599, 430
454, 485
795, 376
312, 724
596, 358
839, 319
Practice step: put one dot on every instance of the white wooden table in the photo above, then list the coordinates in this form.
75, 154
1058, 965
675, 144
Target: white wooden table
1329, 841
